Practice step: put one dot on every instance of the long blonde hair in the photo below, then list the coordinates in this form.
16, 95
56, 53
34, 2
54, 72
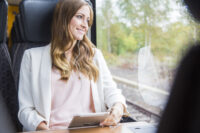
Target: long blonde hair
62, 41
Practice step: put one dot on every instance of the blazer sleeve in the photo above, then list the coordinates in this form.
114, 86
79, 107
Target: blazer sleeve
112, 94
27, 114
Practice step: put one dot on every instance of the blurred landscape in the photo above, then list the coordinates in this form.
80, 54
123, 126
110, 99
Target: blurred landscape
144, 40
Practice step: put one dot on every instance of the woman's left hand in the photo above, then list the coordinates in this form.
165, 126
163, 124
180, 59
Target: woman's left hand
114, 118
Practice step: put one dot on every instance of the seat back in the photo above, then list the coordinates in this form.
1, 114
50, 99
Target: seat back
7, 84
3, 12
17, 34
35, 20
6, 124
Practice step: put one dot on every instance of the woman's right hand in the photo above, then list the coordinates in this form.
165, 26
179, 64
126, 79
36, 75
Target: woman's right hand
114, 118
42, 126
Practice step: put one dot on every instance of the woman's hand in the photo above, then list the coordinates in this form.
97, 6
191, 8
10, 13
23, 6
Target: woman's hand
114, 118
42, 126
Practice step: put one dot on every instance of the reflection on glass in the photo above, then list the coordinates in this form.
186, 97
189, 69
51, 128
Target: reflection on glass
143, 41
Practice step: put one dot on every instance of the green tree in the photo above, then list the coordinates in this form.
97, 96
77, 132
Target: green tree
147, 13
107, 15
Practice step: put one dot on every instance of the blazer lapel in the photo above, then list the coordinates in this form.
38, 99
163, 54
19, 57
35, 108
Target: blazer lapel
45, 82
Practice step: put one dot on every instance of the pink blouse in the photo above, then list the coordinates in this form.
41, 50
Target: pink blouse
69, 98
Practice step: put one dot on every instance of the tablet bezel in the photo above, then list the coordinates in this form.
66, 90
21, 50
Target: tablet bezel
88, 120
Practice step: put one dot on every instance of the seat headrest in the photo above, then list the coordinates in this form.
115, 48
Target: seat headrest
36, 18
3, 19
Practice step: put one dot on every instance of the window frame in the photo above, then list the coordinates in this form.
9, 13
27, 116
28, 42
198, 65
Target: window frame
93, 28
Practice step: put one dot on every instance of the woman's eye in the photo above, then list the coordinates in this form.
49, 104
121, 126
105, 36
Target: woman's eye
79, 16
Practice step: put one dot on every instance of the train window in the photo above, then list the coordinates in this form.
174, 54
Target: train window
142, 42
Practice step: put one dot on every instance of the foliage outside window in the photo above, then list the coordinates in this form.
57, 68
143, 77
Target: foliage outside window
153, 34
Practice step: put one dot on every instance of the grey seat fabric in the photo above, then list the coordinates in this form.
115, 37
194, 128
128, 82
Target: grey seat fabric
6, 124
17, 34
3, 15
34, 26
7, 84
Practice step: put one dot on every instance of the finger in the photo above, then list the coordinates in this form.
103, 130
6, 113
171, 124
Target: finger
109, 121
108, 124
116, 117
104, 123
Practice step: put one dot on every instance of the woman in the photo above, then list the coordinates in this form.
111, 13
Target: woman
68, 76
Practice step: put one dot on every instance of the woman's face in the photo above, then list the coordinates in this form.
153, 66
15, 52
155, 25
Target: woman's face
79, 23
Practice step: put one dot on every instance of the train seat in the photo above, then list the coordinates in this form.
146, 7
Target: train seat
35, 19
7, 84
6, 124
17, 34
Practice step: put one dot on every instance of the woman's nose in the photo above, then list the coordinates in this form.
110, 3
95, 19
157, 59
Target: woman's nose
85, 23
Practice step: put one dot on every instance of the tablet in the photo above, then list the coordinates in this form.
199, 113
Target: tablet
88, 120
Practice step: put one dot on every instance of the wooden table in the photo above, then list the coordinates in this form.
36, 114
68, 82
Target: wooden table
121, 128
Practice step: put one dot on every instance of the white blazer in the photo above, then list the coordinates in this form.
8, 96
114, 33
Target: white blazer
35, 87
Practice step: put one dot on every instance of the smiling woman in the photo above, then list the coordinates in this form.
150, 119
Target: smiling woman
79, 23
67, 77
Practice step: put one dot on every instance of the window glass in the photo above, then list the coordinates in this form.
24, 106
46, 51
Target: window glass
143, 42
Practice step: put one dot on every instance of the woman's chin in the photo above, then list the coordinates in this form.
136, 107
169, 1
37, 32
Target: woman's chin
79, 39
